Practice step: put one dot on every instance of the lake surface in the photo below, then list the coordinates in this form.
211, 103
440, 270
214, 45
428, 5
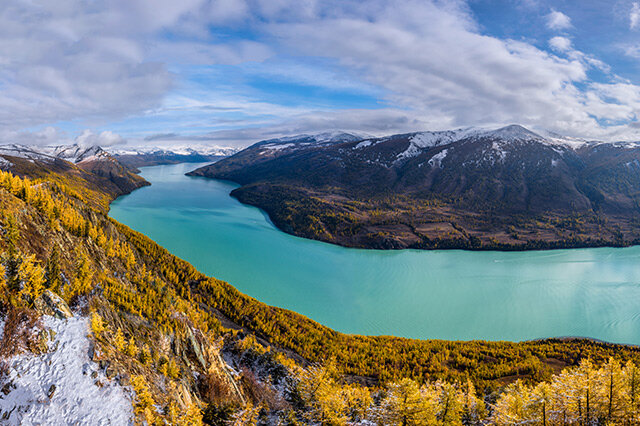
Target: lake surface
454, 295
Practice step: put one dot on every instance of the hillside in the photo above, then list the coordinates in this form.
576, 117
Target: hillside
508, 188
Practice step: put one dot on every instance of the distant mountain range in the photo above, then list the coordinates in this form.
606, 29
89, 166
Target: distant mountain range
91, 163
506, 188
151, 156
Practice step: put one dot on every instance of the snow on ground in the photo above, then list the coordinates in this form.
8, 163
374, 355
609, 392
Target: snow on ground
82, 395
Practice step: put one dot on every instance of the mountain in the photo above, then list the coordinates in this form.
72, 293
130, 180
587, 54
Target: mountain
84, 164
151, 156
506, 188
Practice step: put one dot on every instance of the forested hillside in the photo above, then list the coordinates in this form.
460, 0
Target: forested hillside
192, 349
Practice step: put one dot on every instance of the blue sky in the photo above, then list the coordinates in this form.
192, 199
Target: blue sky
231, 72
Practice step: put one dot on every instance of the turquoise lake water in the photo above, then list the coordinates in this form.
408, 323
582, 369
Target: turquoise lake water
454, 295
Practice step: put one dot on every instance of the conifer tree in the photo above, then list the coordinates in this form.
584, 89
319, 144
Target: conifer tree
118, 340
52, 270
31, 276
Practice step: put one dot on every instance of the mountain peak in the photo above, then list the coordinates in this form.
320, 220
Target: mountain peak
514, 132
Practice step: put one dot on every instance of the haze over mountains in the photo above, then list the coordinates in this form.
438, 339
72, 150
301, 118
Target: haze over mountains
501, 188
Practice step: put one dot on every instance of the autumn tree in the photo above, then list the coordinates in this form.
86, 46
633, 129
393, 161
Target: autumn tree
31, 277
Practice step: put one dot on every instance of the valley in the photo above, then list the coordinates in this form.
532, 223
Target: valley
164, 343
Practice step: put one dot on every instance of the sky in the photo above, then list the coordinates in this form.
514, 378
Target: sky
233, 72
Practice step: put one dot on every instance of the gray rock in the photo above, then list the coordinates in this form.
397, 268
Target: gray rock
51, 391
50, 303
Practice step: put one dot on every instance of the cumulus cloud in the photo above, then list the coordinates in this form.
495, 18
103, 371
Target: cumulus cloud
634, 16
47, 136
557, 20
561, 44
434, 60
105, 138
428, 61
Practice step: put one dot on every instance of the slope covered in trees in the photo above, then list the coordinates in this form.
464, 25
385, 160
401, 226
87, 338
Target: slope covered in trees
195, 349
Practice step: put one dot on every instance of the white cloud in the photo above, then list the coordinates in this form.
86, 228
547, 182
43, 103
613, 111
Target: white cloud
105, 138
557, 20
634, 16
561, 44
631, 50
434, 67
428, 60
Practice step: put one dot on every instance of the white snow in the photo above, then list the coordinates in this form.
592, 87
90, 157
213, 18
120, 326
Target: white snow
363, 144
422, 140
436, 160
499, 150
513, 133
276, 147
78, 399
23, 151
174, 149
5, 164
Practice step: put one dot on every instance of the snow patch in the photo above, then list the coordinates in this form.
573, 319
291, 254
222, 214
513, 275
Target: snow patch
363, 144
436, 160
499, 151
276, 147
423, 140
5, 164
77, 398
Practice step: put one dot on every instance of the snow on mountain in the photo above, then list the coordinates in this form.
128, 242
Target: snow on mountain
318, 138
23, 151
62, 386
423, 140
503, 137
76, 153
176, 150
512, 133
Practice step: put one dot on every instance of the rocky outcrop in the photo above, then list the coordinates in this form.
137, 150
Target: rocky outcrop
50, 303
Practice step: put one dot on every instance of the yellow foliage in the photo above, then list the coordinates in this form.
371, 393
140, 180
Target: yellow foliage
119, 341
131, 348
97, 325
144, 400
31, 275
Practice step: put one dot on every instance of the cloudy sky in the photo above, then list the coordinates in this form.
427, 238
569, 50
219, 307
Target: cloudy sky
231, 72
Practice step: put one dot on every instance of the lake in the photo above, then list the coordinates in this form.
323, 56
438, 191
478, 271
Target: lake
443, 294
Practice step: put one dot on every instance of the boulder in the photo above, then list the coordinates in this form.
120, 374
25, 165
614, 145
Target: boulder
51, 391
50, 303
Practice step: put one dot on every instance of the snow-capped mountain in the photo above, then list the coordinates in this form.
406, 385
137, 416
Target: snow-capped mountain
151, 155
114, 176
76, 153
324, 138
506, 171
176, 150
